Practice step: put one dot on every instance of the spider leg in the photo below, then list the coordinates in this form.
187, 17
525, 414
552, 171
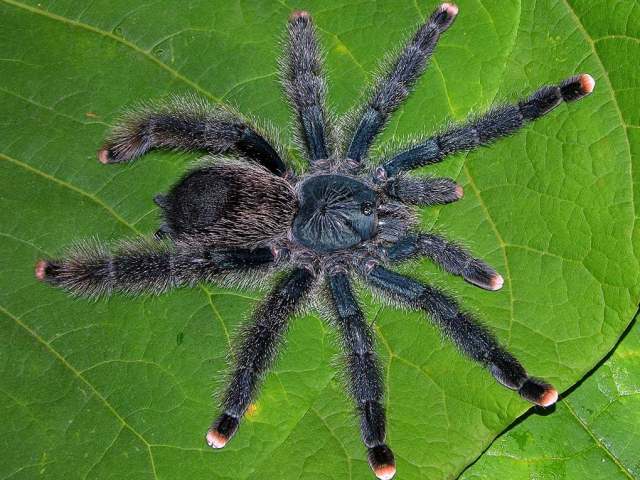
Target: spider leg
393, 87
467, 334
92, 270
258, 346
187, 124
499, 122
424, 190
364, 374
450, 256
304, 84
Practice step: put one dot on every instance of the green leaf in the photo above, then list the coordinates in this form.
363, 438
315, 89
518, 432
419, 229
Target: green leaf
593, 432
121, 388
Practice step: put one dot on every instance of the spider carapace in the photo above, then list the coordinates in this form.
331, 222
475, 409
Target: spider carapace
336, 213
243, 217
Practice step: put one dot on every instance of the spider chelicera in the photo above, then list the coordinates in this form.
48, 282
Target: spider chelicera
242, 216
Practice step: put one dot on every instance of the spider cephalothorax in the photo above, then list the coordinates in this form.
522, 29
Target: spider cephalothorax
242, 215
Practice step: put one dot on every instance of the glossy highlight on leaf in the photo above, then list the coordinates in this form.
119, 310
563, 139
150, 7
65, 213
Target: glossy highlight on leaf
122, 388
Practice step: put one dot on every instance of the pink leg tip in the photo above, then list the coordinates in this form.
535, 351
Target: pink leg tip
385, 472
497, 282
215, 439
459, 191
41, 269
548, 398
450, 8
103, 156
587, 83
299, 14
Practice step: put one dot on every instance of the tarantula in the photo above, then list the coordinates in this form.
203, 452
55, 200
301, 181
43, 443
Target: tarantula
244, 215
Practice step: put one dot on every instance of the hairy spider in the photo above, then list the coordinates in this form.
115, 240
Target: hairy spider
243, 216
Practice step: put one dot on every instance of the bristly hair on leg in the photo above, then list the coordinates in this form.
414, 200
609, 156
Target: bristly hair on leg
470, 336
424, 191
365, 376
257, 348
143, 265
301, 74
188, 123
399, 74
451, 256
94, 269
498, 122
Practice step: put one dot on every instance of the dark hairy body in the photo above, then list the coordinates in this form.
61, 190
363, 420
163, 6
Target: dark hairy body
243, 217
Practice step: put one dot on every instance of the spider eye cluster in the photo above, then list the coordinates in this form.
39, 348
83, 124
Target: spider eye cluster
367, 208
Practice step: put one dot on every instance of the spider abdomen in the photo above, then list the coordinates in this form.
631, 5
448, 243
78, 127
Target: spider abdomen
229, 204
336, 212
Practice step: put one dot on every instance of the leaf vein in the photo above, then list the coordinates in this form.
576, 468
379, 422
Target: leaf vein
116, 38
58, 356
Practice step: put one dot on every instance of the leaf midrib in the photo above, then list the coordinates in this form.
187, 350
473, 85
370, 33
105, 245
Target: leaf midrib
596, 440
